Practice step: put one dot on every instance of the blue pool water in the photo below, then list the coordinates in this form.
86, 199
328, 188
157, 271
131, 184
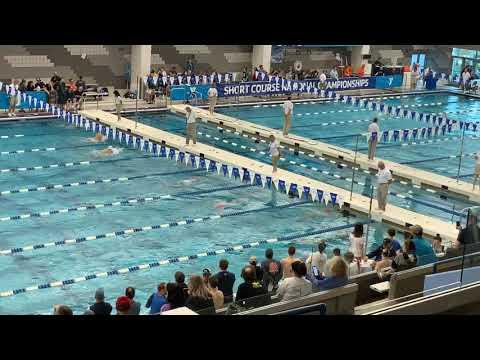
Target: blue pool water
445, 207
310, 118
148, 177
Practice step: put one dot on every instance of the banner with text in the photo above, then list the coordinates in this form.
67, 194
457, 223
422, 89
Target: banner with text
278, 85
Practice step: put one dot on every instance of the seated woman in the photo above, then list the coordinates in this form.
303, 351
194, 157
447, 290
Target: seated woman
384, 266
406, 258
199, 297
339, 276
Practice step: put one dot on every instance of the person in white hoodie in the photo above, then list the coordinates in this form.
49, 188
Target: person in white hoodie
295, 286
317, 259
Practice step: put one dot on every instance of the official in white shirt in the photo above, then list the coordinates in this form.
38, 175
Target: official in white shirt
13, 98
274, 152
191, 126
372, 142
383, 182
212, 98
287, 110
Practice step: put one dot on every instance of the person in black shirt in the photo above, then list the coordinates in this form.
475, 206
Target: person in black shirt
470, 234
251, 287
40, 84
377, 253
225, 279
101, 307
30, 86
55, 78
272, 271
258, 269
182, 288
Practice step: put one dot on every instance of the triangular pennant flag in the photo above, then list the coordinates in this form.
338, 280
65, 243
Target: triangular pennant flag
340, 201
264, 180
326, 198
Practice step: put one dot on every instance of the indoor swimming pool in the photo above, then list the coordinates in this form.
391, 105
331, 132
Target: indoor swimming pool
340, 124
69, 212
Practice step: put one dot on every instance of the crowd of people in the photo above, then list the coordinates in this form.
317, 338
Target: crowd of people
289, 278
66, 95
467, 79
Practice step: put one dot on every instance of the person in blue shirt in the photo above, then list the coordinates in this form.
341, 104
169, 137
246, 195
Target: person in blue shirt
339, 276
395, 245
423, 248
157, 300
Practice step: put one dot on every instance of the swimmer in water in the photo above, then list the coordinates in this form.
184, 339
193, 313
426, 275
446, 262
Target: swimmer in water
98, 138
109, 151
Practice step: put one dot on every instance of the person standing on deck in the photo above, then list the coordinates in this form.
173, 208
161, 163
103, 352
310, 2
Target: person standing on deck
118, 104
191, 126
374, 132
383, 182
287, 110
13, 98
212, 98
274, 152
477, 170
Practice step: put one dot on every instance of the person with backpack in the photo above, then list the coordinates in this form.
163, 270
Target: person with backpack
272, 271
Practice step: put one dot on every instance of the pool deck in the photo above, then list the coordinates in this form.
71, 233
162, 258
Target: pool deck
393, 215
402, 172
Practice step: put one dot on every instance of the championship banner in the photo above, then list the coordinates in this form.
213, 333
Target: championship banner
260, 88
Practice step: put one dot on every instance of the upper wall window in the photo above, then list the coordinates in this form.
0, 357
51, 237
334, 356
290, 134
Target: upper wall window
471, 54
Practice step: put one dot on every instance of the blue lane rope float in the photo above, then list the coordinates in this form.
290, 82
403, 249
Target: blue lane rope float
68, 164
438, 158
98, 181
174, 260
426, 142
11, 136
188, 221
48, 149
140, 200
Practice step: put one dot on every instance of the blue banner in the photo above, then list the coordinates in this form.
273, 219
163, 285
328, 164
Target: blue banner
24, 104
283, 86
